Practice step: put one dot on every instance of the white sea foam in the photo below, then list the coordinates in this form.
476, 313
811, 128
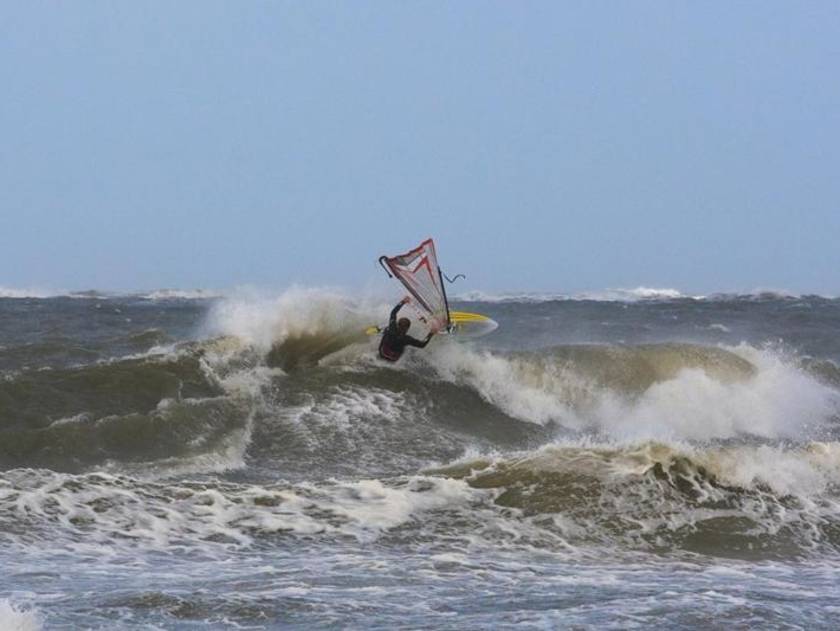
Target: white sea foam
538, 393
625, 295
806, 471
158, 294
803, 472
28, 292
647, 493
343, 406
227, 454
604, 295
183, 294
637, 293
263, 319
84, 511
477, 295
18, 618
778, 401
42, 292
118, 508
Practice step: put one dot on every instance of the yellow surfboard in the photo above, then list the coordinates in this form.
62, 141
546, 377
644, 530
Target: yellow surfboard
462, 323
471, 324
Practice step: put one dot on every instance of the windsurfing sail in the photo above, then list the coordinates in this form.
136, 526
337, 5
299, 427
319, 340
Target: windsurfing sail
418, 271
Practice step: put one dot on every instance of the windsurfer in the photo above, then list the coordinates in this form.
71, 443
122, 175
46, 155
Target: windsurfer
396, 338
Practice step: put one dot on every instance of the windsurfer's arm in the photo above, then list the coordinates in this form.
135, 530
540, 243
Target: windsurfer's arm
413, 341
392, 321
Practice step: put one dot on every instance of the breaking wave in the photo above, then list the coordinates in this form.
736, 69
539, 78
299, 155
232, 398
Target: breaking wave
742, 500
183, 294
748, 502
722, 450
28, 292
606, 295
304, 355
661, 391
189, 403
637, 294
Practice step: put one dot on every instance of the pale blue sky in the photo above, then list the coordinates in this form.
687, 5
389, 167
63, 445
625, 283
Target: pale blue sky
547, 146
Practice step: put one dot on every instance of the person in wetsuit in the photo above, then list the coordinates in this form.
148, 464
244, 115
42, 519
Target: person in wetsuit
396, 337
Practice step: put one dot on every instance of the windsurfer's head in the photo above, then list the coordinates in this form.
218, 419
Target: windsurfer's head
403, 324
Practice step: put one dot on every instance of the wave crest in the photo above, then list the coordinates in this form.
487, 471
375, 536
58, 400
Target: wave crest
668, 391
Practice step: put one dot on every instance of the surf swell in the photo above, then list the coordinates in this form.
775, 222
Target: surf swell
728, 450
744, 502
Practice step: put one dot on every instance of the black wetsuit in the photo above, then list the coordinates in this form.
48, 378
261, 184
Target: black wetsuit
393, 342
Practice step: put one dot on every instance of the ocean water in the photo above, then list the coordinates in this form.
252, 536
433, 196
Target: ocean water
192, 460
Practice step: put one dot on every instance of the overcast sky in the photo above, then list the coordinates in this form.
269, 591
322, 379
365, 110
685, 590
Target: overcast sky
547, 146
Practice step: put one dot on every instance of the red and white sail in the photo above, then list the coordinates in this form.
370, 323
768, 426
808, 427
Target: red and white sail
418, 271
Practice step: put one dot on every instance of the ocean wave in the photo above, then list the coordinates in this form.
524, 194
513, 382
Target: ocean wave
809, 470
43, 293
677, 391
182, 294
638, 294
325, 401
292, 380
181, 408
721, 450
606, 295
478, 295
635, 294
122, 508
731, 501
158, 294
751, 502
31, 292
299, 313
